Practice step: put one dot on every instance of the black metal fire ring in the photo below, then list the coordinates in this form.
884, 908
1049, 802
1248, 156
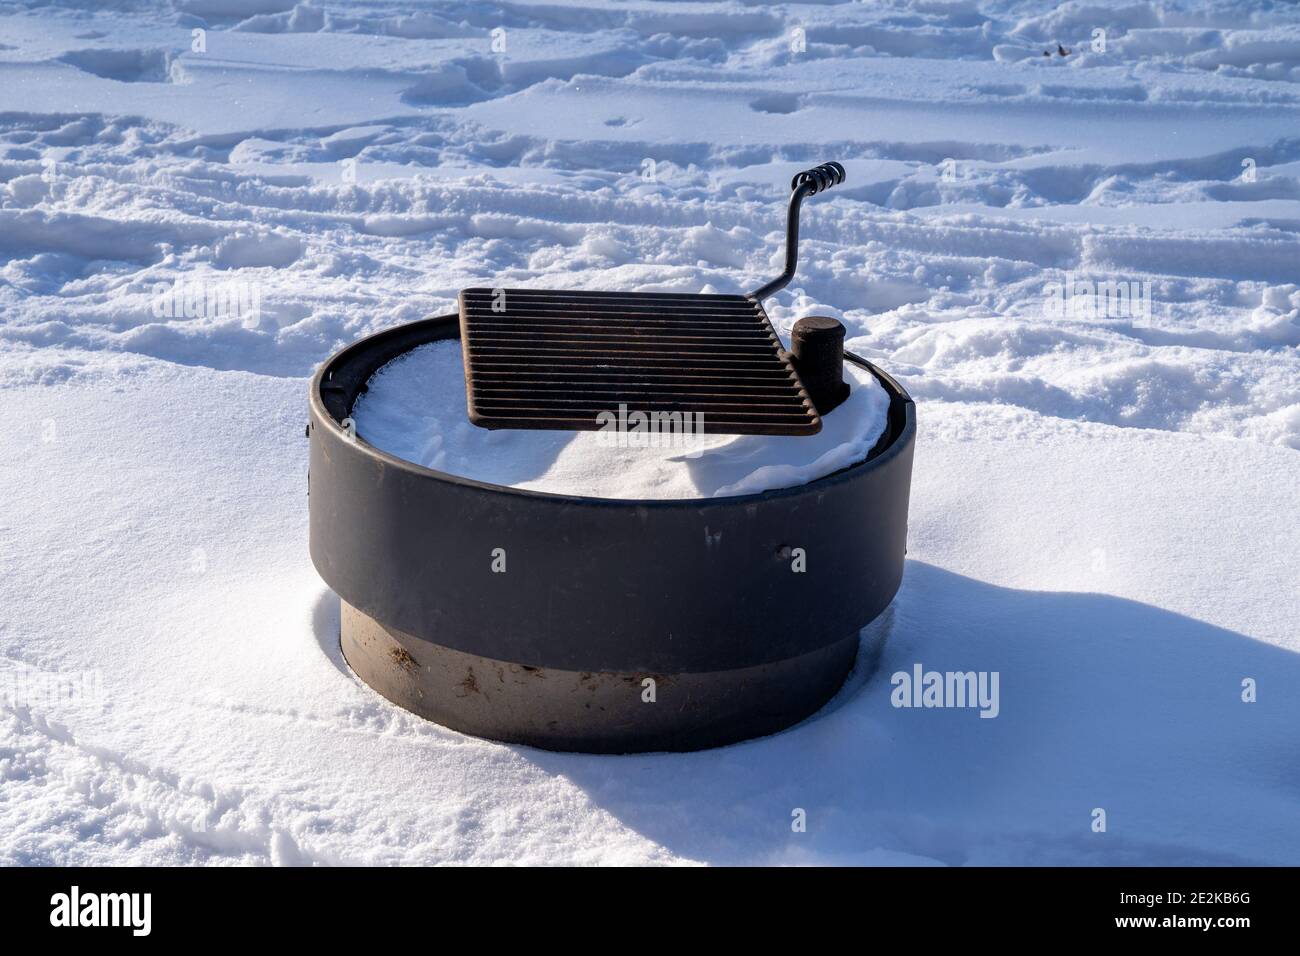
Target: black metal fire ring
705, 597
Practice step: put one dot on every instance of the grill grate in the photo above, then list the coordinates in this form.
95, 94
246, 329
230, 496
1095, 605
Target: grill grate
538, 358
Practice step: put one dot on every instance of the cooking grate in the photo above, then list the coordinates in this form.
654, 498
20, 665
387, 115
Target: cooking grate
539, 358
542, 358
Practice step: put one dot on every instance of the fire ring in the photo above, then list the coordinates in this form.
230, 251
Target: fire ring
617, 626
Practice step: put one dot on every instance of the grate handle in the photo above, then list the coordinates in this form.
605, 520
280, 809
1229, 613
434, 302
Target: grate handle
810, 182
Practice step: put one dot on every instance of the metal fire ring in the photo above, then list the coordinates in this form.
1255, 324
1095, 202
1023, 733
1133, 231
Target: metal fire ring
700, 597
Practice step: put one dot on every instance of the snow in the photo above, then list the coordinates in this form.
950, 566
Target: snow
1103, 506
415, 408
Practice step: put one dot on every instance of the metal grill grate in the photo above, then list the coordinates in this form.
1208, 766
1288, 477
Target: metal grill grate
537, 358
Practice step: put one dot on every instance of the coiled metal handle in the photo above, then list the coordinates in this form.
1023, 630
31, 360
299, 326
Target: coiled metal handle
810, 182
819, 178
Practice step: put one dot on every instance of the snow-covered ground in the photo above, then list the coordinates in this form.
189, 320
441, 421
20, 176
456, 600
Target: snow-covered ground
1105, 500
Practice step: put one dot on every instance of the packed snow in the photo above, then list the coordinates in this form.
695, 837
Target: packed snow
415, 408
1071, 231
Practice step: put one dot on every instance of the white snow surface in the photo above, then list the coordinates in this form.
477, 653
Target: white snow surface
415, 408
1103, 505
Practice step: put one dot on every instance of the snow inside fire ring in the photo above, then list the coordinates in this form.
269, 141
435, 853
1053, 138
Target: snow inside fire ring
415, 409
